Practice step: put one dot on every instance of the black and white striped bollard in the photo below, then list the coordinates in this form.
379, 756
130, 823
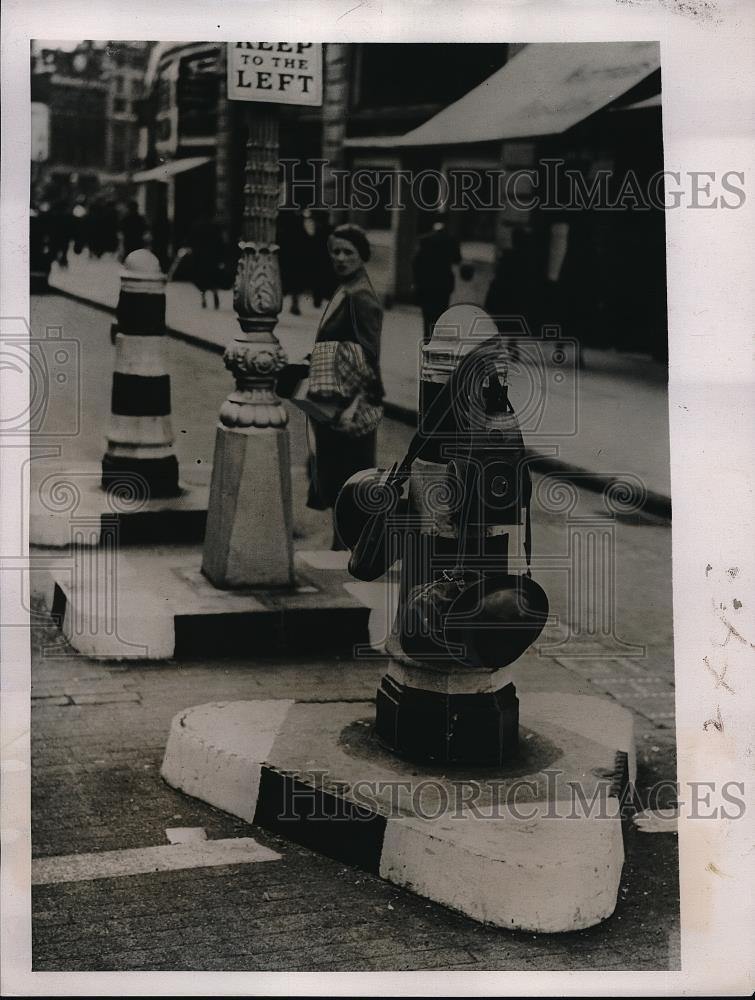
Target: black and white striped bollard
140, 439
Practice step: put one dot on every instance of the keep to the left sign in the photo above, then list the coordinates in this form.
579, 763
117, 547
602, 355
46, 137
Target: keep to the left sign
276, 72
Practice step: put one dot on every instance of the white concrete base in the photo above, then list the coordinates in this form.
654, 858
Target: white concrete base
67, 507
225, 773
538, 874
154, 604
526, 853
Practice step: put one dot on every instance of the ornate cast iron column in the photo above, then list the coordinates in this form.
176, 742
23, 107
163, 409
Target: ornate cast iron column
249, 541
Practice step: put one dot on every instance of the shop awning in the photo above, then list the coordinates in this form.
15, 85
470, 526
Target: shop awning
167, 170
545, 89
650, 102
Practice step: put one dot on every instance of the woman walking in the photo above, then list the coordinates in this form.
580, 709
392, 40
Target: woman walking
345, 374
207, 250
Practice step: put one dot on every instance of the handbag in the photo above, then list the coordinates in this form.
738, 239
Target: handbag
337, 371
323, 411
293, 383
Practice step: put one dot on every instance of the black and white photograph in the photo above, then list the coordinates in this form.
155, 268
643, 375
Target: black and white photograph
349, 577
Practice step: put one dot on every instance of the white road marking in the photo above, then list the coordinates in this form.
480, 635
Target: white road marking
185, 834
143, 860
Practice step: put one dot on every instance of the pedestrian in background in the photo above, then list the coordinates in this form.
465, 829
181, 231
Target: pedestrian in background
345, 370
510, 299
432, 271
207, 253
61, 229
322, 277
80, 226
40, 248
103, 227
465, 290
294, 256
133, 230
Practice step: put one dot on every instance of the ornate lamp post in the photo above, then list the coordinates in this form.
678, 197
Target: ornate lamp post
249, 528
249, 537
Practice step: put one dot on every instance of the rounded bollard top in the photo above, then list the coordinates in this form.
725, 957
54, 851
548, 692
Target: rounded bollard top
458, 331
141, 274
142, 261
464, 326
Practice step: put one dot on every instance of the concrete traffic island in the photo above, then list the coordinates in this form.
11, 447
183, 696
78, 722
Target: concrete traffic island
533, 845
246, 591
156, 604
506, 806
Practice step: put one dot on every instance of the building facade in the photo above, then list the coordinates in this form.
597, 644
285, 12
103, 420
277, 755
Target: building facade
374, 92
590, 110
153, 120
90, 93
194, 144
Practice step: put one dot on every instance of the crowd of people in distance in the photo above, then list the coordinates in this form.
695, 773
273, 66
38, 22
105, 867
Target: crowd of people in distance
105, 223
102, 225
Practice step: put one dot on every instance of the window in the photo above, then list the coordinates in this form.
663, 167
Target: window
474, 195
163, 94
197, 94
163, 130
77, 134
374, 189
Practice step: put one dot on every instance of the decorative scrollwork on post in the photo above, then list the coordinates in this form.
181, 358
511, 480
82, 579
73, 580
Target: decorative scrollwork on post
256, 356
254, 402
257, 295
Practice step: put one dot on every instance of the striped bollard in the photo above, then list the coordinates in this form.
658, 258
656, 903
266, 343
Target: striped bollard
140, 439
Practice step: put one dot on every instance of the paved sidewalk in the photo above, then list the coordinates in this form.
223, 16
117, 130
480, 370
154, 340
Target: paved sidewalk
99, 730
605, 420
98, 736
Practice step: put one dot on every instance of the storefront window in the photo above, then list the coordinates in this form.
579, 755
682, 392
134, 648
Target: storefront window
197, 95
376, 197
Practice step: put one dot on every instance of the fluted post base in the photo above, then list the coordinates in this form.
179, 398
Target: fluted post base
248, 540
